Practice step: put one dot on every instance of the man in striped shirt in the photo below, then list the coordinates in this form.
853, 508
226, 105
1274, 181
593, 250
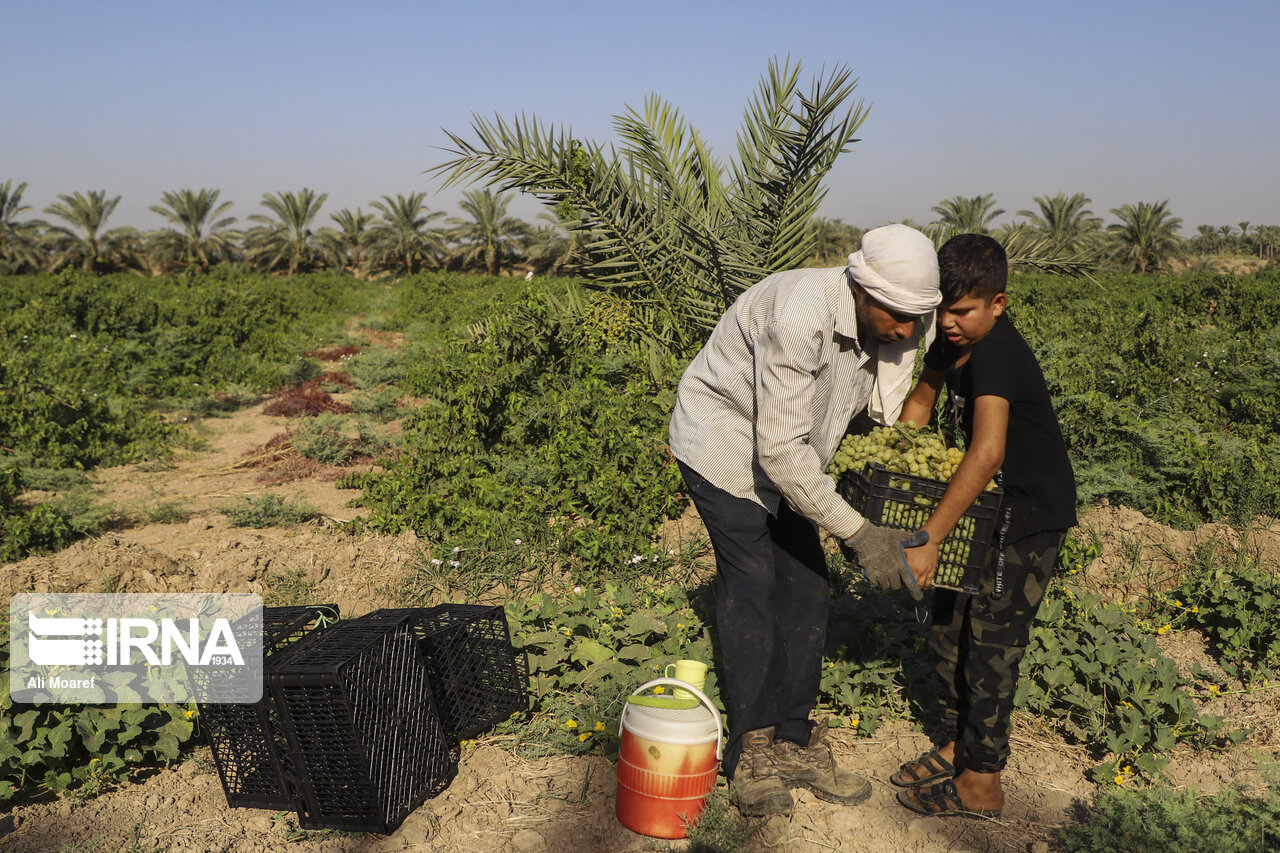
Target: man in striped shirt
758, 416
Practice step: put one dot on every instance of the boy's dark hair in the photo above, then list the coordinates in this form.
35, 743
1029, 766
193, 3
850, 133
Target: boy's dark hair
972, 265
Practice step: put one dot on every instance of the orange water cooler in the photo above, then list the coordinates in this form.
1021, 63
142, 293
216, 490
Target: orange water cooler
668, 760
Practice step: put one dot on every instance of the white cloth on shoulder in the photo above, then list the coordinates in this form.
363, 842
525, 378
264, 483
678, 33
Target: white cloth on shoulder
897, 266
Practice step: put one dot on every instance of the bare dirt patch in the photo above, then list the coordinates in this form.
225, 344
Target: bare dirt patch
1138, 555
501, 802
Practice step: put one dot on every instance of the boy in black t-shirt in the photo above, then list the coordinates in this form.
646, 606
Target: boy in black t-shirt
977, 640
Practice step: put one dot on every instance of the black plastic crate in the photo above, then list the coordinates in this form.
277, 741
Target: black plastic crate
366, 743
477, 678
247, 741
905, 502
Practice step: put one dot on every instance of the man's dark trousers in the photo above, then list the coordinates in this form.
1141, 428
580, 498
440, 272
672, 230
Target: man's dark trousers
772, 597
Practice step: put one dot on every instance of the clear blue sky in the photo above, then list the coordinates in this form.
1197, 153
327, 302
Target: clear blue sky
1124, 101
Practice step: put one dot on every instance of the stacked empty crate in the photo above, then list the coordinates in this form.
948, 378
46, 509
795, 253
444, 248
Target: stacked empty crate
371, 711
248, 742
358, 712
905, 502
476, 678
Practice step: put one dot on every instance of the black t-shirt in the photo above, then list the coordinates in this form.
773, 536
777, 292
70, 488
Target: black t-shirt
1040, 486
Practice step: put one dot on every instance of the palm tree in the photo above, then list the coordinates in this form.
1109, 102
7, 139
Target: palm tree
1146, 237
551, 249
967, 215
346, 246
204, 237
832, 241
285, 241
403, 240
19, 241
1268, 238
1025, 246
85, 244
1065, 223
1207, 239
489, 238
671, 228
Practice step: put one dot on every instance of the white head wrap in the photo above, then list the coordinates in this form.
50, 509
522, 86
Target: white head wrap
898, 268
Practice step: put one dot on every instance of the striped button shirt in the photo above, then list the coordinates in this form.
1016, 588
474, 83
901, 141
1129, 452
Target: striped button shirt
761, 409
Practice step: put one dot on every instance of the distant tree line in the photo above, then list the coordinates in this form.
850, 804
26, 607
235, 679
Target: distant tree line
399, 235
1144, 240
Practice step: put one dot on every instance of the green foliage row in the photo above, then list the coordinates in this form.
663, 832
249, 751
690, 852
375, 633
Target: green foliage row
92, 361
48, 526
588, 649
1103, 682
1160, 820
1169, 393
534, 429
82, 748
1234, 602
94, 368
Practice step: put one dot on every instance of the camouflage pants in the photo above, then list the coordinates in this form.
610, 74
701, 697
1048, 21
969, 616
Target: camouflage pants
977, 642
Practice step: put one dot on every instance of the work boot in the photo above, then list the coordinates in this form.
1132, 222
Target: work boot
814, 767
756, 789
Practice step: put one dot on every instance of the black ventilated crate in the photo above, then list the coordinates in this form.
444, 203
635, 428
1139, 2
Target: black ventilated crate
247, 741
905, 502
366, 743
477, 677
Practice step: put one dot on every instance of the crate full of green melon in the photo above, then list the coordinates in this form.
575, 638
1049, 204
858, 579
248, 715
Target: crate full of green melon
895, 476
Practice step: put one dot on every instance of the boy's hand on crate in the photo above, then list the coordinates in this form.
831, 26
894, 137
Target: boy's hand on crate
922, 558
881, 556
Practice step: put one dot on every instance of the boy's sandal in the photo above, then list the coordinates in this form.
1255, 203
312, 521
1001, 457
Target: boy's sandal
932, 763
941, 800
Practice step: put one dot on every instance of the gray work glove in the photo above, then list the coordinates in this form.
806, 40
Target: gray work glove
879, 552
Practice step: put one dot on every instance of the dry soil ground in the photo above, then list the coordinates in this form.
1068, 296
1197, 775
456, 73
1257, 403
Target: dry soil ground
498, 801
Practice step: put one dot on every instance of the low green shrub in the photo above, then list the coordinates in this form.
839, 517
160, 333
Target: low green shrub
381, 403
1160, 820
165, 512
326, 439
378, 368
323, 438
1093, 671
268, 510
353, 480
82, 748
50, 525
588, 649
1168, 399
721, 828
1235, 603
1101, 679
288, 587
525, 434
95, 362
875, 666
53, 479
